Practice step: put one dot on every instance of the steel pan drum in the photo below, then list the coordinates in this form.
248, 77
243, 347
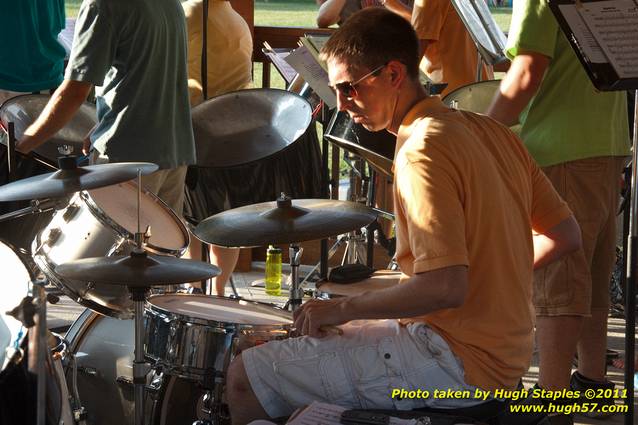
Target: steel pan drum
24, 110
475, 97
247, 125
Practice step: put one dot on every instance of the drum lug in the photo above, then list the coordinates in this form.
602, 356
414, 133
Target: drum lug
124, 382
91, 371
54, 235
70, 212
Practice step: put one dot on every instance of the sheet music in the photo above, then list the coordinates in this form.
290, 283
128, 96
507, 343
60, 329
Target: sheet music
584, 36
614, 24
302, 60
330, 414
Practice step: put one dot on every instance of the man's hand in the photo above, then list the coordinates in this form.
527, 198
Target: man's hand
315, 314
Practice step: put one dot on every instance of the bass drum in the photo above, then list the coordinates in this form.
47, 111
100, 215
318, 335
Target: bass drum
103, 350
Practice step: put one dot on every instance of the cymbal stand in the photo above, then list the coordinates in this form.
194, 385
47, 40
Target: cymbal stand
138, 295
296, 291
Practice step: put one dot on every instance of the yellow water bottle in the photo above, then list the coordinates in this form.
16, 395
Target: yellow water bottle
273, 271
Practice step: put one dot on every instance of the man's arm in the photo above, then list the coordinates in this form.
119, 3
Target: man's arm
556, 242
398, 7
518, 87
420, 294
329, 12
60, 109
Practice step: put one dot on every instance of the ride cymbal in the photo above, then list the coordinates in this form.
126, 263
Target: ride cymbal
137, 270
283, 221
72, 178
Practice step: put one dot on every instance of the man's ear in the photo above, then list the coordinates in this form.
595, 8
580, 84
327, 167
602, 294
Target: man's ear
397, 72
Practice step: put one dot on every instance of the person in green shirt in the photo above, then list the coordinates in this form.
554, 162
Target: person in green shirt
31, 58
580, 138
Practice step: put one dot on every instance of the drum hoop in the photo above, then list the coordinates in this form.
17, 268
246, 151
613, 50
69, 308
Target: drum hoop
79, 328
103, 218
155, 310
466, 87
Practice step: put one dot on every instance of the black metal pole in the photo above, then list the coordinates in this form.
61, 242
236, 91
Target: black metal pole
323, 262
630, 290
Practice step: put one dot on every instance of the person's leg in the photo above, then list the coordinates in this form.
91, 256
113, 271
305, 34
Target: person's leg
243, 403
556, 337
171, 188
226, 260
592, 346
562, 293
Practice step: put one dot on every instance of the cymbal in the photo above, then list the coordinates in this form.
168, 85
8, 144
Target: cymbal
283, 221
137, 270
247, 125
72, 179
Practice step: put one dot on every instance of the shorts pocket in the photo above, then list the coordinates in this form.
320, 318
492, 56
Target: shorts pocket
376, 370
317, 378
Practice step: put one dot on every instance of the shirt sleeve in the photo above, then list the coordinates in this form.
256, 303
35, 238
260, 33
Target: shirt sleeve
430, 199
428, 17
548, 208
532, 28
94, 45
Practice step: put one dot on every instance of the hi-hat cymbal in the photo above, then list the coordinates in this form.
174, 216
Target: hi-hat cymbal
137, 270
283, 221
247, 125
73, 179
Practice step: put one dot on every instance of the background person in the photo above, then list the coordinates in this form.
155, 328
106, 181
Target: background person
134, 53
580, 138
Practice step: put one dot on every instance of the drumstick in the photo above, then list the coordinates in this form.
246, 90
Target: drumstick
331, 329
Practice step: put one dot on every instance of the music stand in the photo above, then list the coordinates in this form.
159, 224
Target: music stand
611, 62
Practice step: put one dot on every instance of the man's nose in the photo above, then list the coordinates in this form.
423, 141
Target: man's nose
342, 101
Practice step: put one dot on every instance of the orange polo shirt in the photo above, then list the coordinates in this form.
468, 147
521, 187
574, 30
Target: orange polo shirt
450, 56
468, 193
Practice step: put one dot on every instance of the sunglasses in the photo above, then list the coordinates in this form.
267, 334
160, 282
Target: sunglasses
348, 88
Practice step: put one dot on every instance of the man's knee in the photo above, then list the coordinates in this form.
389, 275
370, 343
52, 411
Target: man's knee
237, 379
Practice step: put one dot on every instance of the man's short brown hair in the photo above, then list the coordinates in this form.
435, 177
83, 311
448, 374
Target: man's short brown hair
372, 37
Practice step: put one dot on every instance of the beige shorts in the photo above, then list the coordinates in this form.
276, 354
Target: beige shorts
579, 283
167, 184
358, 369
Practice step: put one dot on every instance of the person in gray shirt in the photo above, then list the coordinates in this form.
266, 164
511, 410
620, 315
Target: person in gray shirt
134, 53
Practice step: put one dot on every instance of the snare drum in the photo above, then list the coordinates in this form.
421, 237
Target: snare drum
102, 222
192, 335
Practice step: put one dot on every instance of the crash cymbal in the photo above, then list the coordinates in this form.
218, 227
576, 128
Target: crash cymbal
247, 125
283, 221
72, 178
137, 270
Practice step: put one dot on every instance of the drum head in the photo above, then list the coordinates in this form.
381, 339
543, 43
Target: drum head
220, 309
24, 110
17, 277
118, 203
